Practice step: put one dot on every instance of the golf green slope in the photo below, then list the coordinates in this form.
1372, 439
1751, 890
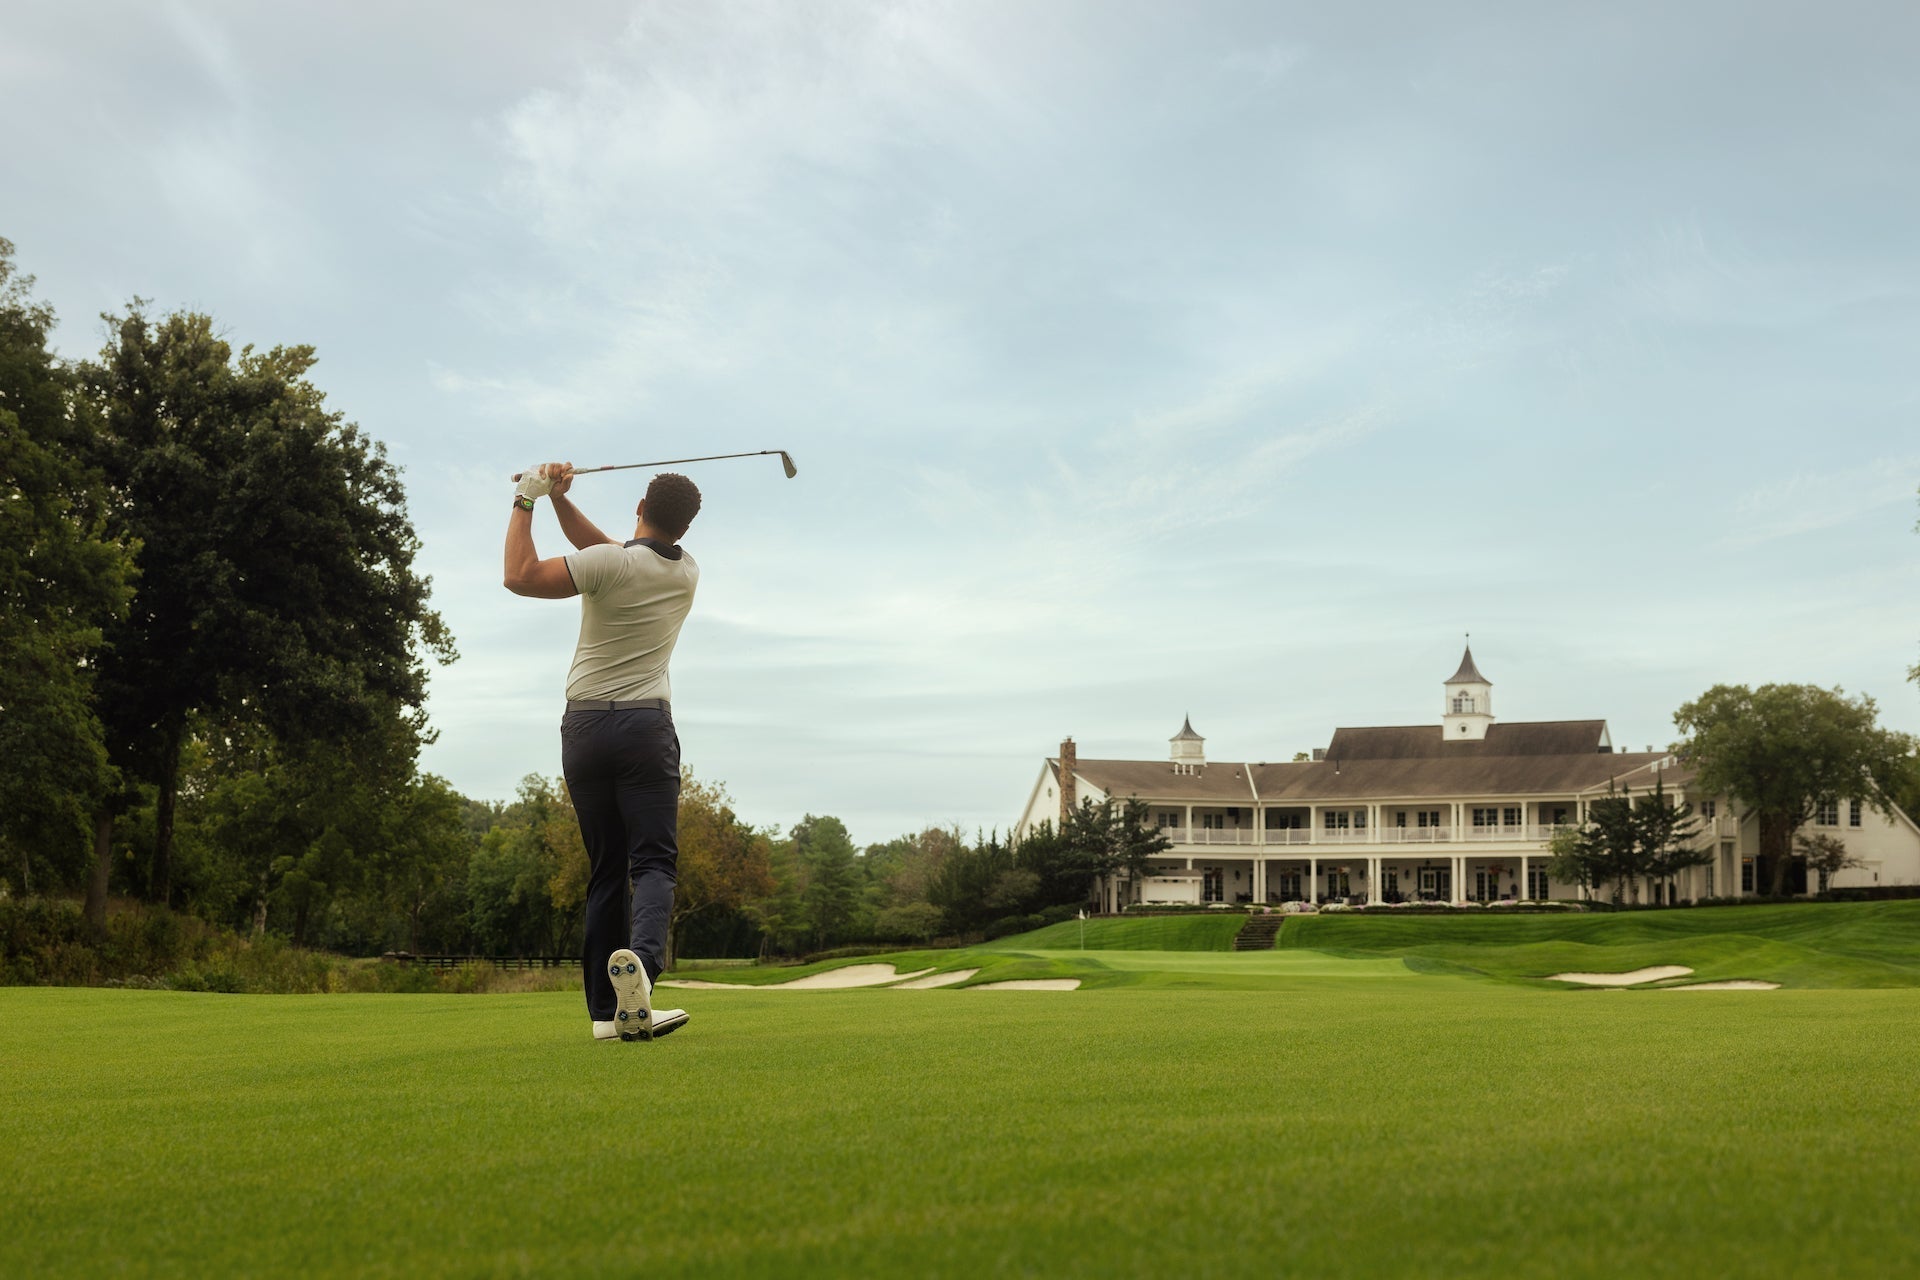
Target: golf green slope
1384, 1126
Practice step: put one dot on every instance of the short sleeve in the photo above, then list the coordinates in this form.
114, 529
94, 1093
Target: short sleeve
594, 567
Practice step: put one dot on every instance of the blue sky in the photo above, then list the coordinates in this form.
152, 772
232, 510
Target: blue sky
1139, 360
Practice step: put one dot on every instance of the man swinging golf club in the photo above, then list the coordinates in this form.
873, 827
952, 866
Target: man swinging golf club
618, 748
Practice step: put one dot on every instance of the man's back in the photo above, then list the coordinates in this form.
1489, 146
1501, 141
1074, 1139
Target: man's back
633, 599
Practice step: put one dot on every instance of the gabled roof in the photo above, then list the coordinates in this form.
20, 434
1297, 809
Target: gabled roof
1430, 742
1160, 780
1468, 673
1186, 733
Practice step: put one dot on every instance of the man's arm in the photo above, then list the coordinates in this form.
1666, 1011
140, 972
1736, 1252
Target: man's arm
580, 531
526, 573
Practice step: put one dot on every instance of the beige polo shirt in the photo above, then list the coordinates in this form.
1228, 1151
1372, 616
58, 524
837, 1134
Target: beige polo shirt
632, 602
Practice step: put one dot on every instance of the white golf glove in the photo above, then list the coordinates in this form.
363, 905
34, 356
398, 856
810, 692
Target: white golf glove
534, 482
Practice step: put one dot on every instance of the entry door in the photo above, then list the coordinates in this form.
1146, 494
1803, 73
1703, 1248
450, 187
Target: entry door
1429, 882
1486, 886
1215, 883
1537, 883
1290, 886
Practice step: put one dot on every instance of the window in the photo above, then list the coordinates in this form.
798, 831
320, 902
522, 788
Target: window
1337, 886
1338, 819
1360, 819
1462, 704
1393, 885
1823, 880
1556, 816
1429, 817
1826, 814
1169, 820
1400, 818
1213, 822
1707, 808
1853, 813
1486, 817
1510, 817
1746, 875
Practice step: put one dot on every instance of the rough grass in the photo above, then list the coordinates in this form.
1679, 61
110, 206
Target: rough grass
1380, 1124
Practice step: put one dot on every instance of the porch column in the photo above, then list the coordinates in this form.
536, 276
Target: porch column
1189, 839
1521, 892
1259, 881
1459, 877
1373, 880
1313, 879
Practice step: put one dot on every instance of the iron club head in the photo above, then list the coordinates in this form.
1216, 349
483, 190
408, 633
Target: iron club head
786, 462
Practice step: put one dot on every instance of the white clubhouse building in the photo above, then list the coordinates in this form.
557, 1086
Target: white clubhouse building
1461, 810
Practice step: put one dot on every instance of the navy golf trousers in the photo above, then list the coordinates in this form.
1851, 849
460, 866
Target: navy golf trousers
623, 772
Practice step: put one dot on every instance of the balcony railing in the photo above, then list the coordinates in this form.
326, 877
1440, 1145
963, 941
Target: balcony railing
1416, 835
1251, 837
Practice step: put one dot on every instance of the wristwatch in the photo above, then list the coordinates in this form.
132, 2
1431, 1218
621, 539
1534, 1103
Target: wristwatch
523, 502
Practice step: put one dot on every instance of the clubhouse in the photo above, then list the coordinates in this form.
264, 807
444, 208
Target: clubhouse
1458, 811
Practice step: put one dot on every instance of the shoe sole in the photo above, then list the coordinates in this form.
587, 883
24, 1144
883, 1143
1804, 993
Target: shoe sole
669, 1024
633, 1010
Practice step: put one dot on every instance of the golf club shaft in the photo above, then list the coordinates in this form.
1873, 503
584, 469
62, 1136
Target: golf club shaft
785, 459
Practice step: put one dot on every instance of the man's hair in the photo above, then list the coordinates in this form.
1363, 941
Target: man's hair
672, 503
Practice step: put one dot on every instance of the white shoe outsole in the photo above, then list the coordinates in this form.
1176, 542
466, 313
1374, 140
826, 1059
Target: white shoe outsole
633, 995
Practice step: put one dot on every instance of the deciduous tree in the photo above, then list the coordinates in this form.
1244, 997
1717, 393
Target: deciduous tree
277, 585
1781, 749
724, 865
63, 577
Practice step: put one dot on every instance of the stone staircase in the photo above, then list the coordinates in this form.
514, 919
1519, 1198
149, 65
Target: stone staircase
1259, 932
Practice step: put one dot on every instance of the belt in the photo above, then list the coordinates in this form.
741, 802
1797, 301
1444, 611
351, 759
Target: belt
601, 704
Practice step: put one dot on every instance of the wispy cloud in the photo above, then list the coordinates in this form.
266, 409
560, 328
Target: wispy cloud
1814, 500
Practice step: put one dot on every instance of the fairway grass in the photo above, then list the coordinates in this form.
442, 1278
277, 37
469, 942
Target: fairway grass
1302, 1116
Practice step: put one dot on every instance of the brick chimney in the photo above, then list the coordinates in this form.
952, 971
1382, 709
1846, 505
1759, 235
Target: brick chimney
1069, 762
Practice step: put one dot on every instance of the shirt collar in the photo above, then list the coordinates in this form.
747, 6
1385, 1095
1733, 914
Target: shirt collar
667, 550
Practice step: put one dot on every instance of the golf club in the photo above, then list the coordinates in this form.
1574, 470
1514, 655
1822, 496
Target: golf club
786, 462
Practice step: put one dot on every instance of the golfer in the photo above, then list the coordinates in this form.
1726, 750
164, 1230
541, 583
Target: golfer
618, 748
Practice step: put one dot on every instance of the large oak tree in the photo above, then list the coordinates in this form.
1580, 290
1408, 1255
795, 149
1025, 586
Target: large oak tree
63, 577
1781, 749
277, 585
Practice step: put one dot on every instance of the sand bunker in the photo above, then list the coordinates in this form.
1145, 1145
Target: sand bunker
1651, 974
1738, 984
853, 975
947, 979
1031, 984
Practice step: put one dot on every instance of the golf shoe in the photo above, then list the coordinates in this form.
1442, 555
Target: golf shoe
633, 1016
606, 1030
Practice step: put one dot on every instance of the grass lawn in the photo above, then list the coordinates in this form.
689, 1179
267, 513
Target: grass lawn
1302, 1115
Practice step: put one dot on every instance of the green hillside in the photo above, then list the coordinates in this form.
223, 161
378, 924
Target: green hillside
1853, 944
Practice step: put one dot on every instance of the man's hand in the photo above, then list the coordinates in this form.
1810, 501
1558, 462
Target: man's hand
538, 481
561, 473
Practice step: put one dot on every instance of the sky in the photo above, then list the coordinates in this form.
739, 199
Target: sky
1139, 360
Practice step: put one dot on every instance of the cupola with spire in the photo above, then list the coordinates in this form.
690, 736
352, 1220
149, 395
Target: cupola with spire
1189, 749
1469, 702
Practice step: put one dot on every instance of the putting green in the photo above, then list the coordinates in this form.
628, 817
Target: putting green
1377, 1124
